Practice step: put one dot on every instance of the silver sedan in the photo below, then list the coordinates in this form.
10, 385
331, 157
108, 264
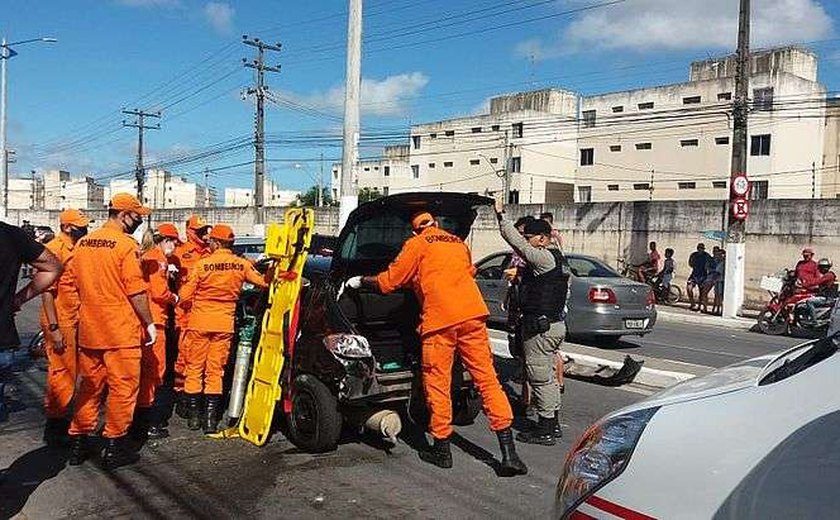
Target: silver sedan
602, 304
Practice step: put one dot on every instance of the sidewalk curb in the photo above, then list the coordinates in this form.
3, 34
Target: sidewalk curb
647, 377
701, 319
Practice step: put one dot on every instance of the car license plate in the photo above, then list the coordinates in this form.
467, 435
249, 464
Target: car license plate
634, 324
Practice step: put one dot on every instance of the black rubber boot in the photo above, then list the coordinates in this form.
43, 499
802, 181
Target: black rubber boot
156, 428
193, 411
440, 454
181, 407
80, 449
117, 454
511, 463
212, 412
558, 433
55, 432
543, 433
139, 424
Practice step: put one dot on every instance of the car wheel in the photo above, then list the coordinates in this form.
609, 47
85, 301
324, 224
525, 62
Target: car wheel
465, 407
314, 422
768, 325
674, 295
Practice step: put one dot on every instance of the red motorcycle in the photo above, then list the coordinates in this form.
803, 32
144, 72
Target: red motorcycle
790, 308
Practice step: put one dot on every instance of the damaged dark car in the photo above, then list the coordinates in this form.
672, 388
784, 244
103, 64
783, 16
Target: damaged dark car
358, 352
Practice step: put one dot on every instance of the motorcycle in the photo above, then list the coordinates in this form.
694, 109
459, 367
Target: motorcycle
789, 308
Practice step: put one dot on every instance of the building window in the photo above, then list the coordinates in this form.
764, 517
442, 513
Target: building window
367, 168
385, 190
691, 100
760, 145
386, 171
513, 197
431, 166
721, 140
474, 162
494, 160
587, 156
615, 148
415, 171
612, 187
518, 129
449, 133
589, 118
644, 146
476, 129
447, 164
646, 106
725, 96
759, 190
433, 136
495, 128
689, 142
641, 186
617, 110
763, 99
376, 168
516, 164
687, 185
416, 140
585, 194
719, 185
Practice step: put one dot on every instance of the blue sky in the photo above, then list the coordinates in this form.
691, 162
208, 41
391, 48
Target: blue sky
422, 61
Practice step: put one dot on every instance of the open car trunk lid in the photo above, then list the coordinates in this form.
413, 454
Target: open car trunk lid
376, 231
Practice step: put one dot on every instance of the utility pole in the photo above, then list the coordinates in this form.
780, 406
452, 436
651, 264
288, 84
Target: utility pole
733, 297
508, 168
8, 158
258, 64
650, 188
813, 180
206, 188
352, 86
321, 183
140, 125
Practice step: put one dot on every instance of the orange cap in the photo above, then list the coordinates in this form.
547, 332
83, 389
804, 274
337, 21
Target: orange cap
128, 202
73, 217
421, 220
168, 230
195, 222
222, 232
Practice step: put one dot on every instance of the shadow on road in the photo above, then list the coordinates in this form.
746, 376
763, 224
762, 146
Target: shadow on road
24, 475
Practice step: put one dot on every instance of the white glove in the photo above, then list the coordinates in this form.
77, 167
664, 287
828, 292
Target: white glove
151, 331
354, 282
172, 268
177, 299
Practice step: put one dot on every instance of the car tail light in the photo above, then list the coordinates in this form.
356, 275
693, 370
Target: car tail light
651, 298
602, 295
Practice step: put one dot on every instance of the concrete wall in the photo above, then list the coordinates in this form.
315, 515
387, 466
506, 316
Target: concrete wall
776, 232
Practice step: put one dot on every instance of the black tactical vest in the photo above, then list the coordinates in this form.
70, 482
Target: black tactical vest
545, 295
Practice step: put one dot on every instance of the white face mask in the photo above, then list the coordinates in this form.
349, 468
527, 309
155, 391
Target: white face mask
168, 248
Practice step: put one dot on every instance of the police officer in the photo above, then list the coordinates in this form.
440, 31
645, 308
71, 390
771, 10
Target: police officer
543, 291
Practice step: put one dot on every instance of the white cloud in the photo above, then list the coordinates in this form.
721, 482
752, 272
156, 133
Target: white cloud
686, 25
220, 16
150, 3
385, 97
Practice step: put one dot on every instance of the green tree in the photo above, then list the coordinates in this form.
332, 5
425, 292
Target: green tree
368, 194
310, 197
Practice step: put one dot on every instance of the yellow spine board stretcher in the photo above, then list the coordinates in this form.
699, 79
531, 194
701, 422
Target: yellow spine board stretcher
287, 244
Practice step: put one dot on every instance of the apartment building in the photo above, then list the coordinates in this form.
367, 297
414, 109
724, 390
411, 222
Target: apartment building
387, 175
26, 193
63, 190
674, 141
162, 190
274, 196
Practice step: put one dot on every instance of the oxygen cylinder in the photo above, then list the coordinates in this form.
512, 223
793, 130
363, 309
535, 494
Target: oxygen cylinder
242, 368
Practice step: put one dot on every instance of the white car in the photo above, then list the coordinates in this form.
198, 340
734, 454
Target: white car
758, 439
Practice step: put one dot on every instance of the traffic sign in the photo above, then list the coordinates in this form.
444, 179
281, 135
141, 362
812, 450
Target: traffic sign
740, 208
740, 185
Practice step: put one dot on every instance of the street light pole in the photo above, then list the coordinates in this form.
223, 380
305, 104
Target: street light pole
6, 53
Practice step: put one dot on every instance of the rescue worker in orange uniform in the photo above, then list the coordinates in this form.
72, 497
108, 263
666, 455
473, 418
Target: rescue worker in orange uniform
149, 419
210, 298
59, 321
187, 255
437, 266
113, 314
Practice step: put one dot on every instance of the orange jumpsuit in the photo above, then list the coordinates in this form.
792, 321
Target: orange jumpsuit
107, 270
186, 256
210, 297
61, 373
438, 267
153, 361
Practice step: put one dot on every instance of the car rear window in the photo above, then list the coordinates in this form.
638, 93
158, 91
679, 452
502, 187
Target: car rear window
589, 268
381, 237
